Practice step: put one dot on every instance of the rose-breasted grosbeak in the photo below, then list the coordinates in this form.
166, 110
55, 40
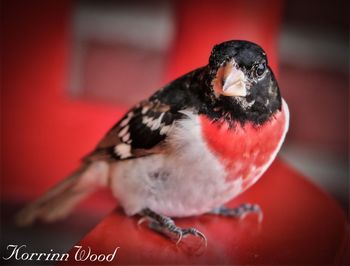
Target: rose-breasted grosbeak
190, 148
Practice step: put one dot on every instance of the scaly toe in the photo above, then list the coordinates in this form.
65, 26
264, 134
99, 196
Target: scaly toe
197, 233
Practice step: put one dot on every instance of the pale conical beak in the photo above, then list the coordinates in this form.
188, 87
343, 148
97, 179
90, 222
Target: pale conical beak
234, 83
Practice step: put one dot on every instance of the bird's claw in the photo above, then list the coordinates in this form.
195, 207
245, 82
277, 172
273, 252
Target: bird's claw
190, 231
142, 220
166, 226
240, 212
180, 234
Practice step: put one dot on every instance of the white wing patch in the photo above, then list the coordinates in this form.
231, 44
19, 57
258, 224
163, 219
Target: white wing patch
123, 150
127, 119
165, 130
123, 131
126, 137
144, 110
154, 123
124, 134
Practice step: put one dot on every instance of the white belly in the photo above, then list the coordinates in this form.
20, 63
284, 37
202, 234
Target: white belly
187, 181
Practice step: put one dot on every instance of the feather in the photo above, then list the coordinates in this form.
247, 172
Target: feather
58, 202
140, 132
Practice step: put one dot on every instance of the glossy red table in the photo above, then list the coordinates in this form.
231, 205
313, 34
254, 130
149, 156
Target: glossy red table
302, 225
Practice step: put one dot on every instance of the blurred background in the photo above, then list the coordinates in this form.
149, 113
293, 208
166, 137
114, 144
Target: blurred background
70, 69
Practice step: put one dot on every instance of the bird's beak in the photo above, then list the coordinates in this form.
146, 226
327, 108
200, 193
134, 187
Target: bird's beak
230, 81
234, 84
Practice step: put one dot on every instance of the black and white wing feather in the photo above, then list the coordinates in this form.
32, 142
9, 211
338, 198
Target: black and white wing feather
140, 132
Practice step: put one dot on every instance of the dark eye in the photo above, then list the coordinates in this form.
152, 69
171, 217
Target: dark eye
260, 69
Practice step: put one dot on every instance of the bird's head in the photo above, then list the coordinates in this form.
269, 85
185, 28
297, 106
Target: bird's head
241, 82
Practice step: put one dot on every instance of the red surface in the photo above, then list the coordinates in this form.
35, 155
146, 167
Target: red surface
301, 226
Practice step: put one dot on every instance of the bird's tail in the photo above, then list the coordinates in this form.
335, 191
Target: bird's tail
59, 201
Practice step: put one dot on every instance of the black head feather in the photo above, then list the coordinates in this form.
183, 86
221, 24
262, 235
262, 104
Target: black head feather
195, 89
263, 98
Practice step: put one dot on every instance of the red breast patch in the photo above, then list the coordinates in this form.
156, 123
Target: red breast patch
246, 151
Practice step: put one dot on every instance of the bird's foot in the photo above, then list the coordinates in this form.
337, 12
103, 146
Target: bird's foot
167, 226
240, 211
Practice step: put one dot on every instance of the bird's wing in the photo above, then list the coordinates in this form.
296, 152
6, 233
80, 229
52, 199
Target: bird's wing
140, 132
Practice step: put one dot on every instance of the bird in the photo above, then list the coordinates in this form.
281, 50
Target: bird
187, 150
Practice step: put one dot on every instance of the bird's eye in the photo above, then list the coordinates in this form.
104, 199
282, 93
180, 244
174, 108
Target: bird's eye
260, 69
